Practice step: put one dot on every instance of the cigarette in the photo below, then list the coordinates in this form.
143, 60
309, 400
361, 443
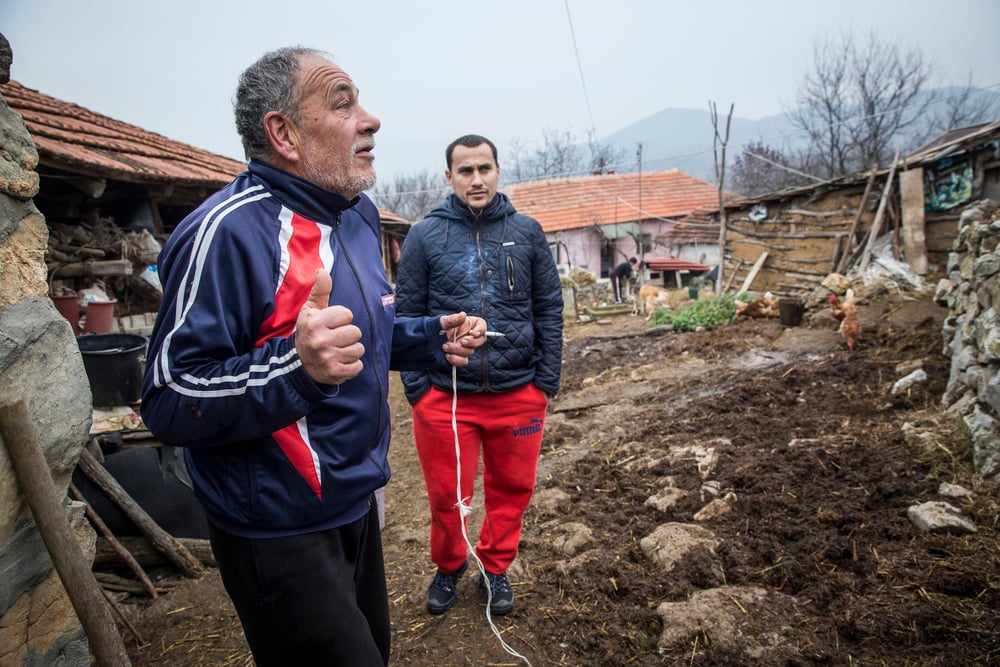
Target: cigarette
494, 334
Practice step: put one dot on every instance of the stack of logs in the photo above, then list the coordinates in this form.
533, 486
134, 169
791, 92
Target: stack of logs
80, 256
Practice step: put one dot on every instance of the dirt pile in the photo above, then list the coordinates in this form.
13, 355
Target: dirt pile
733, 497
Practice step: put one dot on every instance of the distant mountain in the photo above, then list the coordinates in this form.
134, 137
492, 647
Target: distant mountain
682, 139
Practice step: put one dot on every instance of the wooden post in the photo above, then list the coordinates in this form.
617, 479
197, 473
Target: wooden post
175, 552
103, 529
911, 190
877, 223
852, 241
71, 565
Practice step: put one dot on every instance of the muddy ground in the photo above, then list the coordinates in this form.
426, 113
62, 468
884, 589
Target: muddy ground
730, 497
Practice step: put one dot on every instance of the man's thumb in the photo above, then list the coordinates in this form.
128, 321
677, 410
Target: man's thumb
319, 296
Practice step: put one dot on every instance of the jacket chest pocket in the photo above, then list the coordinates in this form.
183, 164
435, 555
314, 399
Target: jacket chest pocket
514, 275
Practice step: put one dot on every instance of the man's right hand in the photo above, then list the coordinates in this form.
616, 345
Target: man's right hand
326, 341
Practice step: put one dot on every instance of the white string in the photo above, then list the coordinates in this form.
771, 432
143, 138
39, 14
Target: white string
464, 510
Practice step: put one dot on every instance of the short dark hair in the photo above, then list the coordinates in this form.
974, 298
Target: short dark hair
470, 141
632, 260
267, 85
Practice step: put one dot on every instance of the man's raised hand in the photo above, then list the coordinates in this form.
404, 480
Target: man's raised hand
326, 341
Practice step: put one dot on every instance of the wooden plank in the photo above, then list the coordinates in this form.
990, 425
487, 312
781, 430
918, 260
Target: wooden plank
113, 267
168, 545
852, 239
911, 190
753, 272
873, 232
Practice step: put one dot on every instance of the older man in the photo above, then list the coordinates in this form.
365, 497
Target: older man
269, 363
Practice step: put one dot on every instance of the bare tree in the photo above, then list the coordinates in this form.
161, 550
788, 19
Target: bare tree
605, 158
560, 155
760, 169
859, 102
962, 106
411, 196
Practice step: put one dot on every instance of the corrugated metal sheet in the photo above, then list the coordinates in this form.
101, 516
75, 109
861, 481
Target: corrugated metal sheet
573, 203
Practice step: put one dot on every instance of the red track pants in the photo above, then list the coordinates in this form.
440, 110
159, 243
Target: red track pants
507, 428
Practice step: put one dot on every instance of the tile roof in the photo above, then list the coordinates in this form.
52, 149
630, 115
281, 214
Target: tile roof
75, 139
572, 203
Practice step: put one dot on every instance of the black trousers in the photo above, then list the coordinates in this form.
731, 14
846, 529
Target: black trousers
313, 599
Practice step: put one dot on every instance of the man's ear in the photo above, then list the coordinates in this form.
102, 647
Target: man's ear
283, 135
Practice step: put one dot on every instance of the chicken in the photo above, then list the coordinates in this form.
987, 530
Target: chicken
765, 306
836, 308
846, 310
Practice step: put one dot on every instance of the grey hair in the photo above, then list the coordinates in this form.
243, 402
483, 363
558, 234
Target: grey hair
267, 85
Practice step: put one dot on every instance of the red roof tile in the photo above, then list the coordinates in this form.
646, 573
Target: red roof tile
572, 203
76, 139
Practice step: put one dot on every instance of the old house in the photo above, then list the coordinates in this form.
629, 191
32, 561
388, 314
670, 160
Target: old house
788, 242
111, 192
596, 222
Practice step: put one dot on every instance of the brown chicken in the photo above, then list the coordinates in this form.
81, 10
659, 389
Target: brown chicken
765, 306
846, 310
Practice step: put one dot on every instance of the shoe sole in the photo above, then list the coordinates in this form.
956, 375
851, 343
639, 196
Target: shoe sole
501, 611
437, 611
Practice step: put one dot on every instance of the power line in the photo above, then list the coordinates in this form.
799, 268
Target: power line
579, 66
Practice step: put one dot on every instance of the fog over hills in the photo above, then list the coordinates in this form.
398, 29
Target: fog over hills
683, 139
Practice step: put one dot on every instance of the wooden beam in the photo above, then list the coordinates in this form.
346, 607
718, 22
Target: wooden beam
877, 223
911, 190
852, 241
753, 272
114, 267
168, 545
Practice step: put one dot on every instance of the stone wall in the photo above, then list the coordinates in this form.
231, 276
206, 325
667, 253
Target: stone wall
40, 363
972, 331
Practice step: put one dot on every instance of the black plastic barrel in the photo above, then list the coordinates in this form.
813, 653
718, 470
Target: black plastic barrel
114, 363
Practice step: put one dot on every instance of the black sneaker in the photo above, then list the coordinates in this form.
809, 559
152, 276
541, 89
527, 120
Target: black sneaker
502, 601
441, 594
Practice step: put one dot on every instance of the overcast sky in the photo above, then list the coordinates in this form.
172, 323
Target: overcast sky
432, 71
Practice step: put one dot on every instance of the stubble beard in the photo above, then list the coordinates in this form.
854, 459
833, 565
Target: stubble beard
341, 176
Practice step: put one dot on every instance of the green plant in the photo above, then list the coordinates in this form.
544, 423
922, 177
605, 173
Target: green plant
706, 313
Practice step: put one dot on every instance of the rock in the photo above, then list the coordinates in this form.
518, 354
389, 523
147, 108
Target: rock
953, 490
671, 542
666, 499
939, 517
919, 375
731, 616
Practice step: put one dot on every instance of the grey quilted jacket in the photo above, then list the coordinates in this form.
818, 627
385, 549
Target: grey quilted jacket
498, 267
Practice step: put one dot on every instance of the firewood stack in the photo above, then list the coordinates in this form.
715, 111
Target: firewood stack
121, 263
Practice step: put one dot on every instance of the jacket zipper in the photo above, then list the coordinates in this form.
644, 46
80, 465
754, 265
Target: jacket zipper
371, 333
484, 365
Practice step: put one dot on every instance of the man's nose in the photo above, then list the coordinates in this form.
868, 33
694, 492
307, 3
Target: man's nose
369, 124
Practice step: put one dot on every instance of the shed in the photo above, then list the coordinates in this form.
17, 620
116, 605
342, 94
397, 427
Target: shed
111, 192
787, 242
